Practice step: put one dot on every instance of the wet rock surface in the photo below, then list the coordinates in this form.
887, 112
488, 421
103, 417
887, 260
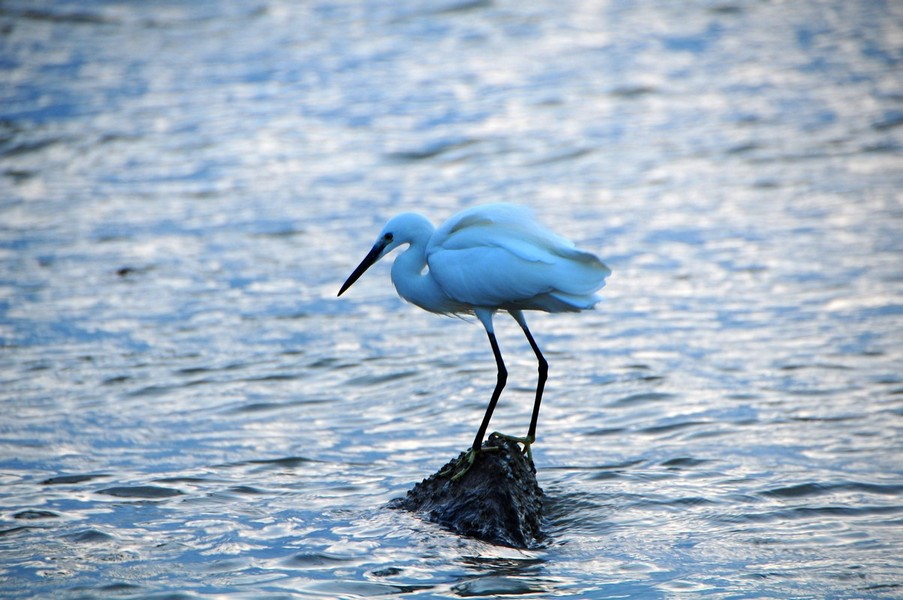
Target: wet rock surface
497, 500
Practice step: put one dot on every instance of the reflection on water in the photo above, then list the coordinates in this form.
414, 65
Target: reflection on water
188, 409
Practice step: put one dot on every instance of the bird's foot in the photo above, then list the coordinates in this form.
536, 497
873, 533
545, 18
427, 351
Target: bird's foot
456, 470
460, 467
527, 441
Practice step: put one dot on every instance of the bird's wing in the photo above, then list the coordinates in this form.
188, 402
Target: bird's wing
502, 225
497, 255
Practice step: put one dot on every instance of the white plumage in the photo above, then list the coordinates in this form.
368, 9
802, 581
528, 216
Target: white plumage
483, 259
497, 256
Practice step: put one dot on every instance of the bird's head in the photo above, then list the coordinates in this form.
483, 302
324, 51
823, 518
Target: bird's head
402, 229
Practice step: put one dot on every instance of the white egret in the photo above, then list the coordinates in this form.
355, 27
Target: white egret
484, 259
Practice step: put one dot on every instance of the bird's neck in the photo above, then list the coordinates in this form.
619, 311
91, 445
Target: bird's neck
414, 283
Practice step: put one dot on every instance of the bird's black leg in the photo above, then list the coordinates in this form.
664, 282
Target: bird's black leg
496, 393
471, 455
540, 385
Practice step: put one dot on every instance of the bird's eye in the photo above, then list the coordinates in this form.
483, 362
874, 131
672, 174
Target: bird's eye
388, 237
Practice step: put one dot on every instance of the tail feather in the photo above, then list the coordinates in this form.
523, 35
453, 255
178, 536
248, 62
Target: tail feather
580, 273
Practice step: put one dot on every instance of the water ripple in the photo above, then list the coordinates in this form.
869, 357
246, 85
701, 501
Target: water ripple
140, 491
189, 411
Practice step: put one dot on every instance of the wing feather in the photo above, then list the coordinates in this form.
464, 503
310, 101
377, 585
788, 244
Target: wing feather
498, 256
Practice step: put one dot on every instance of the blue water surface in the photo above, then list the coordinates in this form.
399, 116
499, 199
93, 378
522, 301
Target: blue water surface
189, 411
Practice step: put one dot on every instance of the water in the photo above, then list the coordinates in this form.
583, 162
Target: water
188, 411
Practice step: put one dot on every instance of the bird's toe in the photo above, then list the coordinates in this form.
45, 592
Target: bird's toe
527, 441
458, 468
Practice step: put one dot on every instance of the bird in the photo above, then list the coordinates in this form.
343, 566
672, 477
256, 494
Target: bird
485, 259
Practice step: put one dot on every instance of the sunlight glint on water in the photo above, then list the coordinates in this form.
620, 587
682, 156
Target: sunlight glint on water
189, 409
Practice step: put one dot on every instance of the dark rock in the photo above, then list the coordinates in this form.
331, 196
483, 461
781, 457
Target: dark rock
497, 500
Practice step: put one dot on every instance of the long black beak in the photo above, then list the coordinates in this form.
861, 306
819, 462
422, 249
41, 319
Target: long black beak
368, 261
